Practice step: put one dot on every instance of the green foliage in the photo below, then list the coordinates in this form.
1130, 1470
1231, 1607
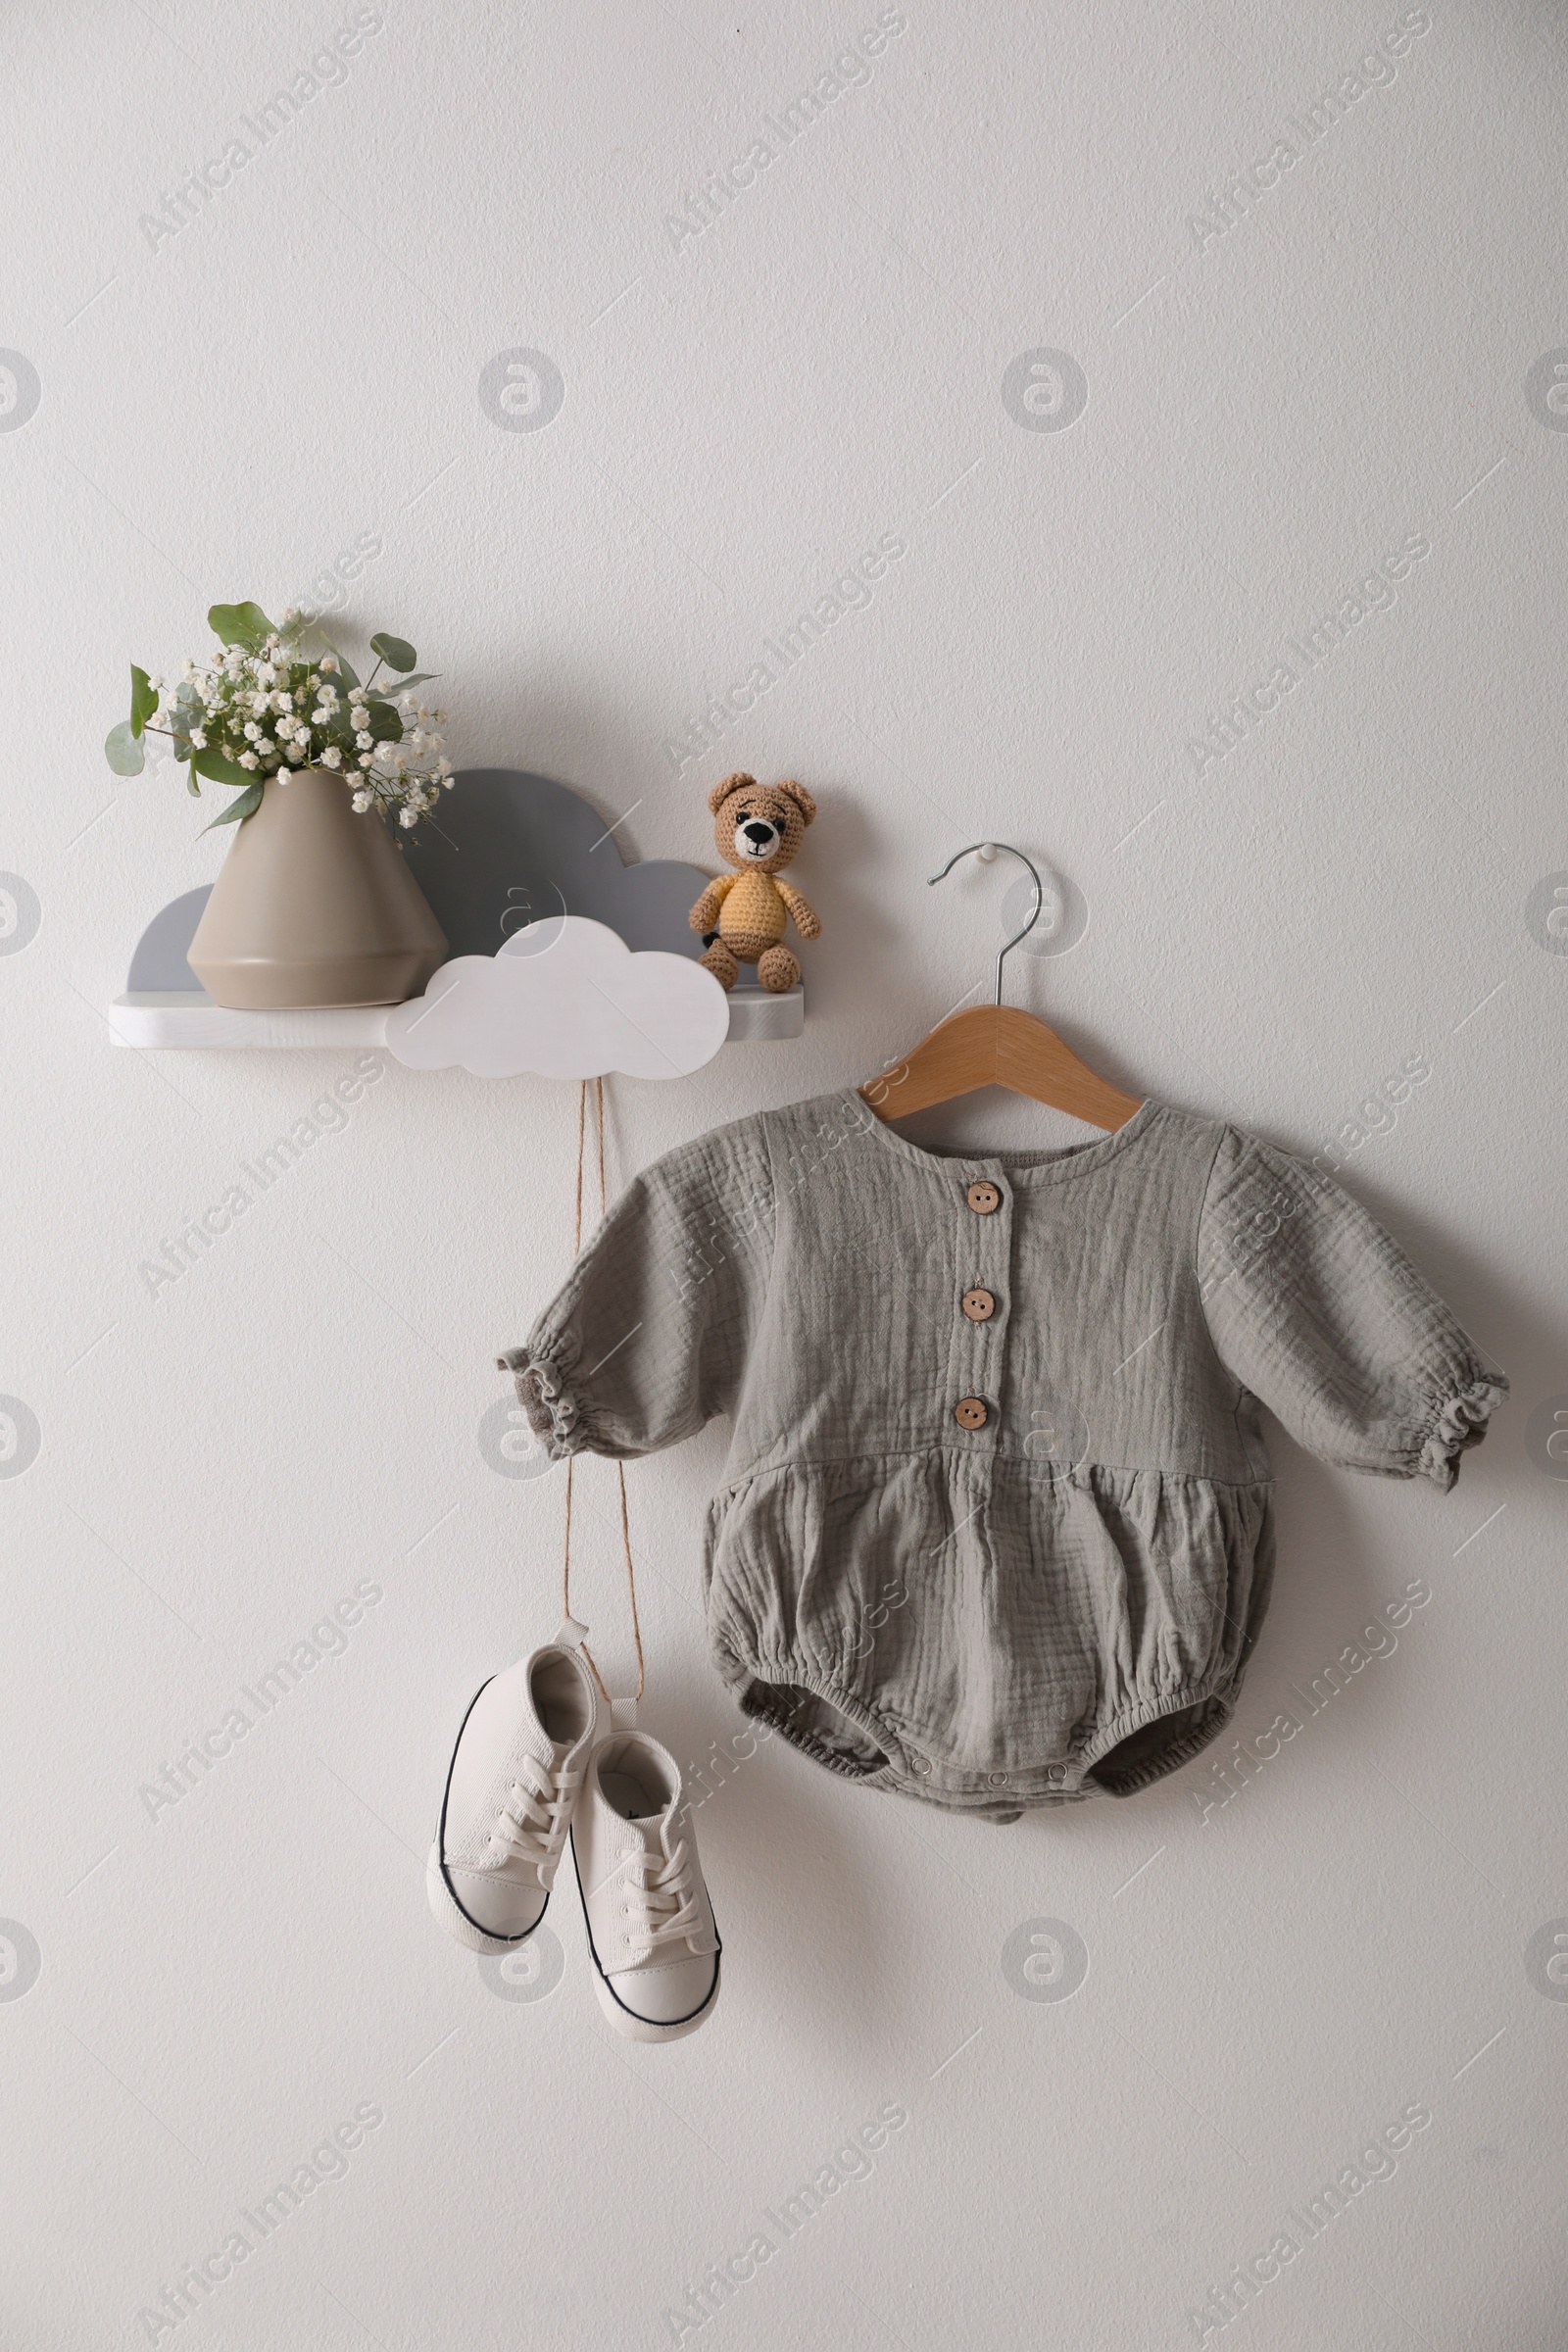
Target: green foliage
143, 699
385, 724
394, 652
218, 770
242, 624
245, 805
182, 716
122, 750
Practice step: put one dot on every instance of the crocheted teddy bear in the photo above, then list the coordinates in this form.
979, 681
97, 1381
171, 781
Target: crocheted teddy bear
757, 828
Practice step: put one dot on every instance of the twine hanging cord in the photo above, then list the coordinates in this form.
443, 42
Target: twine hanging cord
620, 1467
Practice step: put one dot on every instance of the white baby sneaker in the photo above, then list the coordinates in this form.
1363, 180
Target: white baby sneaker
513, 1782
649, 1923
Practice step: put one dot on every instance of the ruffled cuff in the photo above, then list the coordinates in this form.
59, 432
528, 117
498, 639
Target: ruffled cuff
545, 1397
1460, 1421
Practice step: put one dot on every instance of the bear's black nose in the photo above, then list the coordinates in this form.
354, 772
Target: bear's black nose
758, 832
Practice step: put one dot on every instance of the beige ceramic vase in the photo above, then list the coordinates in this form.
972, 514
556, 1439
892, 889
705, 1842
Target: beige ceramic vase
315, 905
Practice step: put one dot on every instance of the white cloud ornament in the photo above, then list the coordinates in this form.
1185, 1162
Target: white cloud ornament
565, 997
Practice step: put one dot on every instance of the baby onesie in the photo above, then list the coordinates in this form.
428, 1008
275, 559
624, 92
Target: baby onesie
995, 1529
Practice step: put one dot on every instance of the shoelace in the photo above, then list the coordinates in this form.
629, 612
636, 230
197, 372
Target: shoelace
533, 1828
664, 1905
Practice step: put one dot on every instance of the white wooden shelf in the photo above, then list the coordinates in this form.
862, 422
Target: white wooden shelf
188, 1017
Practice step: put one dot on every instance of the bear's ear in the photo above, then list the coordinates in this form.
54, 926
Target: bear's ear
722, 792
800, 796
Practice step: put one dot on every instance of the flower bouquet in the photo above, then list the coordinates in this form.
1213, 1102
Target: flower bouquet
313, 906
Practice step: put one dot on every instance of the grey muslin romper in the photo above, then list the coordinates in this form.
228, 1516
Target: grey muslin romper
995, 1529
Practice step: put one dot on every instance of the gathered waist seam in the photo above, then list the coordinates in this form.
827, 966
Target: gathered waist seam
1042, 1473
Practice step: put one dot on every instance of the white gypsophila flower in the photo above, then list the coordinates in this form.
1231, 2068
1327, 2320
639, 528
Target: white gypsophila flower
252, 730
359, 803
265, 745
296, 752
408, 816
363, 740
331, 757
367, 759
281, 700
329, 661
198, 736
249, 760
264, 674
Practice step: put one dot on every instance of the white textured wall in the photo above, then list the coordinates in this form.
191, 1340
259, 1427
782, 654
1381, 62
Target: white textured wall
1273, 406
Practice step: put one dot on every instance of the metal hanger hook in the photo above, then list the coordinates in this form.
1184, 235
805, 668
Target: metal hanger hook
979, 849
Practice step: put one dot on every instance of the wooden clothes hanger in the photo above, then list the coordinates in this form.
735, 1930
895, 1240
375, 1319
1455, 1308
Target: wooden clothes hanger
997, 1044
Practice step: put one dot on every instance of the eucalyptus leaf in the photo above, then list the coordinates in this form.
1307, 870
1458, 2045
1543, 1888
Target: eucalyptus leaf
143, 699
345, 669
218, 770
420, 677
382, 722
245, 805
184, 713
394, 652
240, 624
191, 785
123, 749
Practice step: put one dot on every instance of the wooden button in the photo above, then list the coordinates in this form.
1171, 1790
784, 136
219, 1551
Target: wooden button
984, 1198
979, 1305
970, 1413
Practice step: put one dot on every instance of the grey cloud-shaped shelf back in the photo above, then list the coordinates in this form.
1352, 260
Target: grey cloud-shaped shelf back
503, 848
